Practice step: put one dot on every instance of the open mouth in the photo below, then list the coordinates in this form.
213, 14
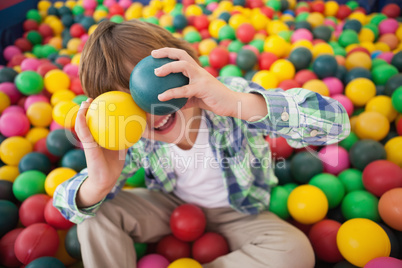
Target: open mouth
166, 123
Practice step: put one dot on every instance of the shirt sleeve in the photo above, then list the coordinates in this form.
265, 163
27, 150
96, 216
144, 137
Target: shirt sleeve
301, 116
64, 198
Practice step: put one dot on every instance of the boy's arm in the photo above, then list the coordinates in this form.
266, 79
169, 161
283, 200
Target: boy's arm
64, 198
301, 116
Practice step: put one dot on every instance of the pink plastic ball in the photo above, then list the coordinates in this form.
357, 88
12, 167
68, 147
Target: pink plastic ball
71, 70
84, 38
339, 26
212, 6
301, 34
335, 86
329, 22
90, 4
125, 3
30, 64
388, 26
10, 51
382, 262
13, 109
14, 124
346, 103
34, 98
11, 91
387, 56
109, 3
334, 158
252, 48
54, 126
153, 261
232, 57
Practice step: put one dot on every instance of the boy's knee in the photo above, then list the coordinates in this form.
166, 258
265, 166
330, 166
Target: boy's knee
300, 252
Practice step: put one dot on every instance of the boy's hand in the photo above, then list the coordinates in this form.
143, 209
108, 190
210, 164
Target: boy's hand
104, 166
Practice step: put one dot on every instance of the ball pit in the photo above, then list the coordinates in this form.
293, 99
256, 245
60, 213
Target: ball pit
337, 50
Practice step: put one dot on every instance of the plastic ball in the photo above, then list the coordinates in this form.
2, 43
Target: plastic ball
304, 166
389, 25
348, 37
396, 99
9, 216
317, 86
381, 74
288, 84
35, 161
9, 173
266, 59
230, 70
56, 177
153, 260
283, 69
14, 124
266, 79
354, 25
187, 222
7, 254
360, 91
29, 82
322, 49
64, 113
13, 149
72, 244
380, 262
393, 147
364, 152
358, 59
7, 75
372, 125
278, 204
185, 263
331, 186
29, 183
323, 239
40, 114
35, 241
360, 204
54, 218
60, 141
245, 60
334, 158
393, 84
388, 207
307, 204
302, 34
300, 58
335, 86
396, 60
361, 240
245, 33
206, 46
74, 159
172, 248
304, 76
46, 262
276, 45
11, 91
209, 247
56, 80
31, 210
325, 66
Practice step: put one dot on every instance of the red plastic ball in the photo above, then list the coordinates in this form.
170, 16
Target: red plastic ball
16, 60
212, 71
187, 222
219, 57
76, 86
40, 147
288, 84
209, 247
63, 61
205, 34
172, 248
30, 25
303, 76
35, 241
358, 49
343, 12
254, 4
391, 10
54, 218
279, 147
23, 44
266, 59
116, 9
267, 11
318, 6
187, 3
399, 127
201, 22
302, 9
76, 30
7, 254
45, 67
380, 176
245, 33
225, 43
45, 30
323, 239
32, 209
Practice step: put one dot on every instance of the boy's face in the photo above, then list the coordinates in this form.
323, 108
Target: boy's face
178, 128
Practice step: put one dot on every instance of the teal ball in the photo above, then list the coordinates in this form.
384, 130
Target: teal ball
145, 86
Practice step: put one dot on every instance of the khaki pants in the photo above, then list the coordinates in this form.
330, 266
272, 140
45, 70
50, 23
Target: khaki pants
141, 215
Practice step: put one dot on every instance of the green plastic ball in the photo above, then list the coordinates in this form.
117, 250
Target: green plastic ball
102, 7
278, 203
29, 82
363, 152
352, 179
397, 99
360, 204
153, 20
72, 244
331, 186
74, 159
227, 32
258, 44
348, 37
378, 18
304, 166
204, 60
349, 141
138, 179
230, 70
34, 37
340, 51
358, 111
34, 161
381, 74
117, 19
80, 98
352, 4
325, 66
34, 14
60, 141
290, 186
378, 62
140, 250
193, 37
286, 35
78, 10
47, 50
29, 183
274, 4
302, 17
235, 46
246, 59
301, 58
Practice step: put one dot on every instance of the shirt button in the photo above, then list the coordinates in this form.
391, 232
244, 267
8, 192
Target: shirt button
285, 116
313, 133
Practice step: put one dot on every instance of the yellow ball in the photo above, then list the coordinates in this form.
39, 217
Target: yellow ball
366, 35
36, 133
134, 11
226, 5
382, 47
193, 10
73, 44
76, 59
185, 263
322, 48
40, 114
56, 80
317, 86
259, 21
358, 16
236, 20
369, 46
315, 19
56, 177
398, 33
188, 29
266, 79
360, 91
394, 150
56, 41
276, 26
331, 8
92, 29
44, 5
302, 43
382, 105
149, 11
65, 113
166, 20
361, 240
99, 14
283, 69
115, 120
57, 26
9, 173
50, 18
206, 46
307, 204
276, 45
4, 101
215, 26
358, 59
371, 125
70, 4
58, 4
61, 95
13, 149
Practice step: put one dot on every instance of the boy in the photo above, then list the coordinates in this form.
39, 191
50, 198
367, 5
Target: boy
211, 153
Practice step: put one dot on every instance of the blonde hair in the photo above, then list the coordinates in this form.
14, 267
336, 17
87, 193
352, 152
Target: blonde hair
113, 49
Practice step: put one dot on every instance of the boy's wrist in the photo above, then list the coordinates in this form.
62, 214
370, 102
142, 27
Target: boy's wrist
250, 106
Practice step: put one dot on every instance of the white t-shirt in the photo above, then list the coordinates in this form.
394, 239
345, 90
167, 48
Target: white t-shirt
199, 176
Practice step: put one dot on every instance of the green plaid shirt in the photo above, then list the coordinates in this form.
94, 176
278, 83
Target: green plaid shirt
301, 116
